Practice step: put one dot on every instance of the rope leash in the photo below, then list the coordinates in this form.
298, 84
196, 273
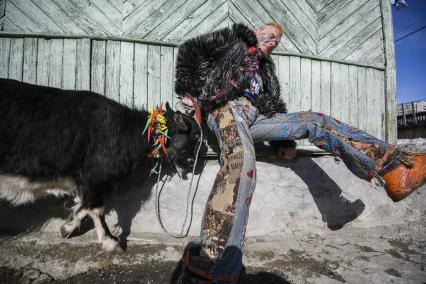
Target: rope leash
183, 232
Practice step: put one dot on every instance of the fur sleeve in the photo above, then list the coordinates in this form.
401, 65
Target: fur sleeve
270, 101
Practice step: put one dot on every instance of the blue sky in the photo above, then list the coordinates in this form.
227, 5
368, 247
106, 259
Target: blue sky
410, 52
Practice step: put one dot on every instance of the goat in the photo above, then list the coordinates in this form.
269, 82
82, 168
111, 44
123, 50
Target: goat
78, 143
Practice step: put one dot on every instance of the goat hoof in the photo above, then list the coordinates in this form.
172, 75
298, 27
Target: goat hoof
109, 244
65, 232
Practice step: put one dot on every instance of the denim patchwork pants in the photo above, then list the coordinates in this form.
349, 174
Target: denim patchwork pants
237, 126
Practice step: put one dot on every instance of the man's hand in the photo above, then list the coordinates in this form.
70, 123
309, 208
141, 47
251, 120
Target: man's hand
286, 153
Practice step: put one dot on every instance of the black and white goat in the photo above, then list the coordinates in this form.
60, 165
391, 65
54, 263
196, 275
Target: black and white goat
78, 143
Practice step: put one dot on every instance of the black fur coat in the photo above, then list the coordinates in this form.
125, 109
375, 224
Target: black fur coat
207, 64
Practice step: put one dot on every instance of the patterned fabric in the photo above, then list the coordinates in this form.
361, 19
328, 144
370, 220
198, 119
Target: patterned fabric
237, 126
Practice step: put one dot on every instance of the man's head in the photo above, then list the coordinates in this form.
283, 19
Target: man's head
268, 36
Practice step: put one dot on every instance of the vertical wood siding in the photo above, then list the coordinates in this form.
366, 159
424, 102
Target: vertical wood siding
142, 75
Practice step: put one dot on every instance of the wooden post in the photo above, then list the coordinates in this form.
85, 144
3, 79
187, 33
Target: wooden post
390, 73
413, 105
404, 118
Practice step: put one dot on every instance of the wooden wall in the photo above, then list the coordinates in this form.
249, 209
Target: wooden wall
336, 56
139, 74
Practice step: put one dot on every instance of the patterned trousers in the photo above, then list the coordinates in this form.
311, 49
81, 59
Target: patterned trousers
237, 126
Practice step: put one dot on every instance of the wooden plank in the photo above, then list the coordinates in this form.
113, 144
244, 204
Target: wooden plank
335, 90
307, 8
336, 27
4, 56
175, 52
325, 87
126, 73
154, 80
344, 44
2, 13
335, 24
166, 69
169, 17
191, 22
344, 93
305, 84
69, 64
362, 98
141, 76
331, 10
26, 15
306, 20
390, 74
316, 86
112, 78
382, 105
60, 20
43, 58
321, 4
133, 19
82, 74
371, 101
97, 76
55, 63
29, 72
16, 58
294, 98
209, 22
284, 78
371, 45
352, 44
352, 96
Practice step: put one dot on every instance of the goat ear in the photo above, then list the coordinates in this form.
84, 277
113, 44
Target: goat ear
180, 122
168, 108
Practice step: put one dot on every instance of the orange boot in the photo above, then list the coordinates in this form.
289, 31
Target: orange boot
403, 180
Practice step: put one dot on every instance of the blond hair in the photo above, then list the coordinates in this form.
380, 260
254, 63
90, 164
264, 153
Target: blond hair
275, 25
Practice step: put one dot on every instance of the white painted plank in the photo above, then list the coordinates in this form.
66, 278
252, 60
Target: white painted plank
4, 56
294, 98
284, 78
154, 80
377, 113
133, 19
382, 105
141, 76
344, 95
316, 86
362, 98
175, 52
365, 48
82, 75
335, 91
352, 95
29, 73
16, 58
126, 73
55, 63
98, 66
166, 69
43, 58
69, 64
112, 78
325, 87
305, 84
371, 101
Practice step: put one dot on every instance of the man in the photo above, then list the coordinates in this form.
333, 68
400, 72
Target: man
232, 77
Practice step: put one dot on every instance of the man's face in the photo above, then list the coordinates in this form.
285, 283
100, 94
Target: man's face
268, 37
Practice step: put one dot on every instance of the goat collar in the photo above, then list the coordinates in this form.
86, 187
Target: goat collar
157, 130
